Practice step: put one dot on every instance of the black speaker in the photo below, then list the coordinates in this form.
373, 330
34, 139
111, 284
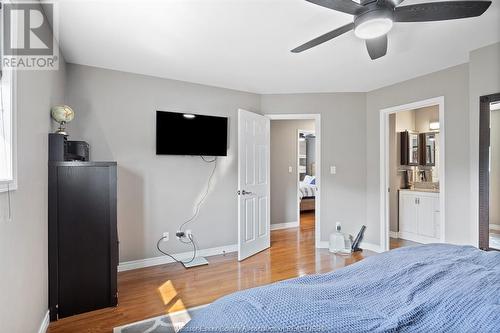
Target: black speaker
61, 149
77, 151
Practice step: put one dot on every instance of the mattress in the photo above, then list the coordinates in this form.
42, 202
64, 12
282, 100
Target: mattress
427, 288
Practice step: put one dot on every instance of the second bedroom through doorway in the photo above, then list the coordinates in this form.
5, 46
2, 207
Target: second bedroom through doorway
293, 174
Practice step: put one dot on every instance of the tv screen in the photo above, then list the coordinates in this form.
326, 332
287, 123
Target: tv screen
190, 134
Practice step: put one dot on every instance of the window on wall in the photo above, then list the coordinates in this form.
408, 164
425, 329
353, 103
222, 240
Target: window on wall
7, 122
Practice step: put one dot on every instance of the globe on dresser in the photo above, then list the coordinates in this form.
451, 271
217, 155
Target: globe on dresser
62, 114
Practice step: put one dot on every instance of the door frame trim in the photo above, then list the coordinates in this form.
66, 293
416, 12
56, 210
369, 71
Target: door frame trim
384, 164
484, 174
317, 129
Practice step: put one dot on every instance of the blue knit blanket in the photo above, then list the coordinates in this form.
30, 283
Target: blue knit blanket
428, 288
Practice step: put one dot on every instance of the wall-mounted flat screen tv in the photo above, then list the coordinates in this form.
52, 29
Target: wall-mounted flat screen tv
190, 134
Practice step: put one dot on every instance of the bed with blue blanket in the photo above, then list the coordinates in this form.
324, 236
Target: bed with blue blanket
427, 288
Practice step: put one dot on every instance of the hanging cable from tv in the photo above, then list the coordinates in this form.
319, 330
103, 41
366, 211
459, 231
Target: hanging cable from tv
181, 234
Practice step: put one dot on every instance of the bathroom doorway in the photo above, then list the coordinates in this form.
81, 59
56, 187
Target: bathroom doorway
412, 174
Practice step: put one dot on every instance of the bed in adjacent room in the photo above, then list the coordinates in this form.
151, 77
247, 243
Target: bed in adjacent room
307, 193
427, 288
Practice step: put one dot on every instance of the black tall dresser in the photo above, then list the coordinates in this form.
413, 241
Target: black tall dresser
83, 241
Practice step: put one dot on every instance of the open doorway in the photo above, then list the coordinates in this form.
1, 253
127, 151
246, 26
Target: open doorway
306, 180
489, 173
295, 174
412, 174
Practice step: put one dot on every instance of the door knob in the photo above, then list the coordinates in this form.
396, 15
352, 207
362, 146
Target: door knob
243, 192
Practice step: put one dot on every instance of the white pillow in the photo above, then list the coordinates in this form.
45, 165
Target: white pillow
308, 179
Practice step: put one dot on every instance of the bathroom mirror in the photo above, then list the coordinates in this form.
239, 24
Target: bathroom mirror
428, 150
410, 148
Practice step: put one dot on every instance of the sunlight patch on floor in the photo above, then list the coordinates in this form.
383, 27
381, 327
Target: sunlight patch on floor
178, 306
167, 292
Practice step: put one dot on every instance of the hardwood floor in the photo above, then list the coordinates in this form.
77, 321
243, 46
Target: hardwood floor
153, 291
398, 242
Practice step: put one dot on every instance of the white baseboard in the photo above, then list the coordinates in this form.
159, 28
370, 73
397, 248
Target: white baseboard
323, 245
277, 226
371, 247
495, 226
393, 234
45, 323
418, 238
148, 262
364, 245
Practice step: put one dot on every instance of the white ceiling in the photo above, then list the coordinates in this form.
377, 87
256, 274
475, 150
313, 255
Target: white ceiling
245, 44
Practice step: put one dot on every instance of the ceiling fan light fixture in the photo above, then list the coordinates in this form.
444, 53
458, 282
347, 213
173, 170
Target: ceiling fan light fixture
373, 28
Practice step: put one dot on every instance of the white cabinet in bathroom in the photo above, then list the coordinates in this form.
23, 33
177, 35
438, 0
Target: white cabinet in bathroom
419, 216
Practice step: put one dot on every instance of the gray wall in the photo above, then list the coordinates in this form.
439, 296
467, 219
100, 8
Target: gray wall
425, 116
453, 84
157, 193
284, 196
484, 79
23, 240
343, 143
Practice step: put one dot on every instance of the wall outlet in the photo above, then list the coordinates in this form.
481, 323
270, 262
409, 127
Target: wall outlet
189, 232
166, 236
333, 170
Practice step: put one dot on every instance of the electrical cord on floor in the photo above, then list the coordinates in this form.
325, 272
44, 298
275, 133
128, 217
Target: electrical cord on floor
174, 258
193, 217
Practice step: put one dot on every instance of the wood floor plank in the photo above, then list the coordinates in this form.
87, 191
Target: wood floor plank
394, 243
153, 291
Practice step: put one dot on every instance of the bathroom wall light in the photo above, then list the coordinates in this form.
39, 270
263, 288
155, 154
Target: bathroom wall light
434, 125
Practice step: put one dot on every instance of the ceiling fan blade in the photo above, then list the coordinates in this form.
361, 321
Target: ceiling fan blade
345, 6
440, 11
377, 47
324, 38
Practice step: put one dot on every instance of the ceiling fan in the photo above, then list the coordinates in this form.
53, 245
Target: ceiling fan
373, 19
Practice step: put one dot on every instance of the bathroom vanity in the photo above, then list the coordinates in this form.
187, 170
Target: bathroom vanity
419, 215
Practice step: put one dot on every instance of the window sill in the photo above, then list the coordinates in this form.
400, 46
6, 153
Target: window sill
8, 186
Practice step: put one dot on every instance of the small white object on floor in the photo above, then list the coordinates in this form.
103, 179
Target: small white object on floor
198, 261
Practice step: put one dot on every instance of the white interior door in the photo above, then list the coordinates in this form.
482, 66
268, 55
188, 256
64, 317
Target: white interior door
253, 183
